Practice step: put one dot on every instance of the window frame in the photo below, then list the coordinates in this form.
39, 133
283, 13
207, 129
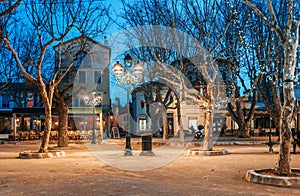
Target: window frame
85, 76
94, 74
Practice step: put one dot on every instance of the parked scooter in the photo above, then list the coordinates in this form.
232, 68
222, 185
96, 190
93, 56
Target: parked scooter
198, 134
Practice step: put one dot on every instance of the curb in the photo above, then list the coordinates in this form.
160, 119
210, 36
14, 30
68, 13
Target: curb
206, 153
285, 181
37, 155
233, 143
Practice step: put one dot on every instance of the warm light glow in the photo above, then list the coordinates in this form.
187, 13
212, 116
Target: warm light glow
86, 99
138, 69
96, 100
118, 69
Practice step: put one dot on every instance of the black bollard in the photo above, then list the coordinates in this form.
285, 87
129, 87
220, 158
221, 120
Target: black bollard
270, 144
128, 146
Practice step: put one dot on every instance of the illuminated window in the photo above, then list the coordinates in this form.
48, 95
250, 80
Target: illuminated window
142, 123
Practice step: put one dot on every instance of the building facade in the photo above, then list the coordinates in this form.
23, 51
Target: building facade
21, 107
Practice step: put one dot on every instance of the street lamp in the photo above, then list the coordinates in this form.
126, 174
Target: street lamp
95, 101
130, 76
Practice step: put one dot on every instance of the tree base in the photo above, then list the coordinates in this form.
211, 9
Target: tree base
268, 177
207, 152
38, 155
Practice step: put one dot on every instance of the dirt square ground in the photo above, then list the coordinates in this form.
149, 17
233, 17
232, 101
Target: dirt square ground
82, 173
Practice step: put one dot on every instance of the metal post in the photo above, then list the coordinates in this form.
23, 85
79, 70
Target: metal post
93, 136
128, 139
271, 143
100, 126
94, 102
15, 125
108, 127
123, 75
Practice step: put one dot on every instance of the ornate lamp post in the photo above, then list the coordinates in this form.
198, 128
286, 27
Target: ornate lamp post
130, 76
95, 101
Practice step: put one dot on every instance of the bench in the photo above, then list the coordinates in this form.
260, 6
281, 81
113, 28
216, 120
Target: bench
4, 137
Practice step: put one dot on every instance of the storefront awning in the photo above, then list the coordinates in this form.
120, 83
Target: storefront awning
32, 111
5, 112
87, 110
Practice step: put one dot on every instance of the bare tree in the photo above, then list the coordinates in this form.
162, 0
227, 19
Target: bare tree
142, 13
238, 68
200, 20
208, 25
288, 35
267, 54
52, 22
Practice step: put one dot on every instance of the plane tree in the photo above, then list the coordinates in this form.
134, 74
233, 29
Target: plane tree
286, 28
51, 22
238, 67
267, 53
144, 13
202, 21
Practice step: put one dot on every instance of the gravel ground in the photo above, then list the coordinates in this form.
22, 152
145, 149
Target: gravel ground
81, 173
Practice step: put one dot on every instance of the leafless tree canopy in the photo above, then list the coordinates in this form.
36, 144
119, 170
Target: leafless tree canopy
41, 25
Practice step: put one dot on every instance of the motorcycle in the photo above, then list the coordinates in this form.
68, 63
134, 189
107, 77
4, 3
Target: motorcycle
198, 134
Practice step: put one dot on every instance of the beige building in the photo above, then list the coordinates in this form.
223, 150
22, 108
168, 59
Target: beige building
88, 75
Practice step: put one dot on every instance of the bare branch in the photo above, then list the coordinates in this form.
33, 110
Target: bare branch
219, 39
253, 87
272, 13
10, 9
19, 64
57, 82
290, 20
272, 24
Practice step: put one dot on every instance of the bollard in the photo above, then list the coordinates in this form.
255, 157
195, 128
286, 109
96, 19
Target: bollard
270, 144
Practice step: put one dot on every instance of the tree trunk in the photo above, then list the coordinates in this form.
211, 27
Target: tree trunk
283, 158
207, 144
47, 131
165, 125
283, 166
244, 130
63, 139
242, 118
181, 133
47, 100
